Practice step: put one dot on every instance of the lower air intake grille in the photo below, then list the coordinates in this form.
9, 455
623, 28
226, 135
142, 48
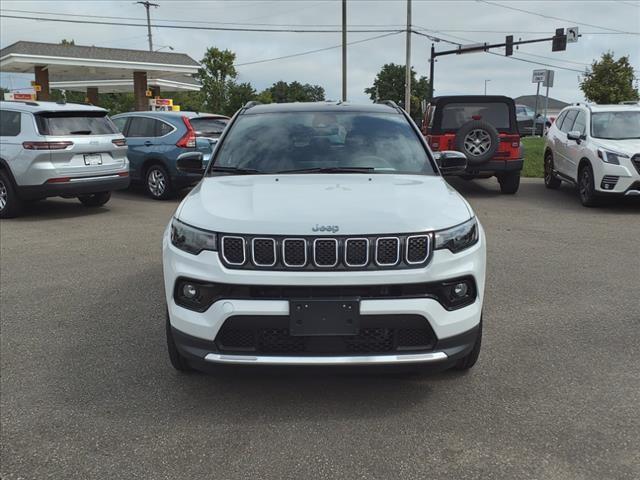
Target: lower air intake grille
636, 161
609, 182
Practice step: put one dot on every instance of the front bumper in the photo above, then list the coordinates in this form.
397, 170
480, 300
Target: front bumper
626, 179
195, 332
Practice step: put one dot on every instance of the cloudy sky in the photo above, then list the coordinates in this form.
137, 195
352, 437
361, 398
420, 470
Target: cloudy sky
605, 25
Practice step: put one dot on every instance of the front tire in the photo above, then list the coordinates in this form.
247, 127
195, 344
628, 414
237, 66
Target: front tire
509, 182
175, 357
95, 199
157, 182
586, 187
550, 180
466, 363
10, 204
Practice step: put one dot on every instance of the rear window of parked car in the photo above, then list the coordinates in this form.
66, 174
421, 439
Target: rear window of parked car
9, 123
75, 123
454, 115
208, 126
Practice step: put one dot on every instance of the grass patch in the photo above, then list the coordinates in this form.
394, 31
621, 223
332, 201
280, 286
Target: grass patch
533, 157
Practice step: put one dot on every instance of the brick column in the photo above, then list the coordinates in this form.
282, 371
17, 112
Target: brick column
42, 79
92, 95
139, 91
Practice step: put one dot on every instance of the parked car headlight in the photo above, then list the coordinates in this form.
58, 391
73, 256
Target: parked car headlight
610, 157
459, 237
192, 240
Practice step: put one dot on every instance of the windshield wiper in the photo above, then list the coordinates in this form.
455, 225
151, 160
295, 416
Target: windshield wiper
330, 170
236, 170
80, 132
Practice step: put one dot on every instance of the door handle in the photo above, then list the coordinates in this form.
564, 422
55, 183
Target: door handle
147, 143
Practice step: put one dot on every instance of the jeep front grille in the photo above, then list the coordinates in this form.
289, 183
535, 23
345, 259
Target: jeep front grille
256, 252
636, 161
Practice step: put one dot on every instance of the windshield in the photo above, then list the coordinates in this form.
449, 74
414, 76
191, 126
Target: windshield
615, 125
279, 142
208, 126
75, 123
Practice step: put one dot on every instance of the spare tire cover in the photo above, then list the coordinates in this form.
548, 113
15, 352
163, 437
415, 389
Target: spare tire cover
478, 140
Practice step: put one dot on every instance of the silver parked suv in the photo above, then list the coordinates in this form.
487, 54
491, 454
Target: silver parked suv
52, 149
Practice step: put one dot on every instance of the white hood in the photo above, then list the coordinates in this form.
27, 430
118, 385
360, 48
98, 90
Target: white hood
295, 204
629, 147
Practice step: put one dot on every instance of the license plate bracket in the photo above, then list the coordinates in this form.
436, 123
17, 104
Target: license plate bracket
324, 317
93, 159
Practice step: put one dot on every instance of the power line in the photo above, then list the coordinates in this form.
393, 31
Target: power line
556, 18
189, 27
310, 25
308, 52
553, 59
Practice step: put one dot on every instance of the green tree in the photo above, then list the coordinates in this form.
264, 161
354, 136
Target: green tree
67, 42
216, 75
282, 92
389, 85
188, 101
610, 80
239, 94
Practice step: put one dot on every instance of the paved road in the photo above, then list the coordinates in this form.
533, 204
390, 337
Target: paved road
87, 391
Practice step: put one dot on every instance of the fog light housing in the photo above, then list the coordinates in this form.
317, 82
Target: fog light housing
460, 290
190, 291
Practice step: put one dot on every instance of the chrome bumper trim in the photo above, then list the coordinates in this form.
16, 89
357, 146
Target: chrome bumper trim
92, 179
632, 193
326, 360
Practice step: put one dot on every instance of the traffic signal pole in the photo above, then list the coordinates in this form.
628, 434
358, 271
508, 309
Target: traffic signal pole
559, 43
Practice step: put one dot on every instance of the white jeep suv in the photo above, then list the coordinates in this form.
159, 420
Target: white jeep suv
596, 147
323, 234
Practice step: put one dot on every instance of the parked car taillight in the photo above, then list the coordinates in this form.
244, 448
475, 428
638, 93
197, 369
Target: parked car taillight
119, 142
46, 145
188, 140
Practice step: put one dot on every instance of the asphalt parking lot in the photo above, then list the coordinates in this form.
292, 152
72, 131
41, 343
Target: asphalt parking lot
87, 390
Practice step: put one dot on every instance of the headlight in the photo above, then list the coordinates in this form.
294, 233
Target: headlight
610, 157
459, 237
191, 239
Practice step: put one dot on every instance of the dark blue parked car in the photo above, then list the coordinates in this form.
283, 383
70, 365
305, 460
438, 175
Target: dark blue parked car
156, 139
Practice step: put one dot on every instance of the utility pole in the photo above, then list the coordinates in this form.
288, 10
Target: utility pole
344, 50
147, 5
407, 76
432, 61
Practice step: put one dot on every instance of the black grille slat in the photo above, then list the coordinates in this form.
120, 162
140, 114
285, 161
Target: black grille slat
387, 251
417, 249
636, 161
325, 252
356, 252
264, 252
233, 250
294, 252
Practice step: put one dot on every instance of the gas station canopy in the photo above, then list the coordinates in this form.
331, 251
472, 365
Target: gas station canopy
76, 67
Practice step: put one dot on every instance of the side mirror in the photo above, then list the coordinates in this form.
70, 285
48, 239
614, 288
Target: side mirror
452, 162
190, 162
575, 135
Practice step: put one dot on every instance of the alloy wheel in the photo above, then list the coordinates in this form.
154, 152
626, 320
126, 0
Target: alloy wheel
477, 142
3, 195
156, 182
585, 184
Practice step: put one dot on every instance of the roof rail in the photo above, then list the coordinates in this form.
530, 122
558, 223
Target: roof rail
26, 102
250, 104
629, 102
582, 104
389, 103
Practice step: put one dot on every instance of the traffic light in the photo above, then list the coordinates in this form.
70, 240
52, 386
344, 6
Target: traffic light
508, 47
559, 42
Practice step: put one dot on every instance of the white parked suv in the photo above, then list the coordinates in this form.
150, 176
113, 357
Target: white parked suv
323, 234
50, 149
597, 148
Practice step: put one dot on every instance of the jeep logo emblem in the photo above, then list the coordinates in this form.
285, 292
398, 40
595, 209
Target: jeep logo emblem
326, 228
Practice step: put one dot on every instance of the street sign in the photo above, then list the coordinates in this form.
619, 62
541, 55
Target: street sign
548, 81
539, 76
19, 96
37, 88
161, 104
572, 35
